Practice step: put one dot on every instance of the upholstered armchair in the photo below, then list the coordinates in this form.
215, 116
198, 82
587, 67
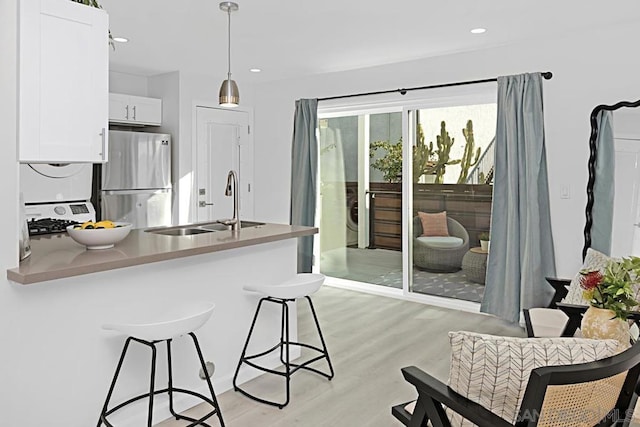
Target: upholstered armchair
500, 381
564, 314
440, 254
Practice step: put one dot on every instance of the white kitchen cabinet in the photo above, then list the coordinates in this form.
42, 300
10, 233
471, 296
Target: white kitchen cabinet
64, 82
134, 110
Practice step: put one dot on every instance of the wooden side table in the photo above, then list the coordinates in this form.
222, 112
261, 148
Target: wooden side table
474, 265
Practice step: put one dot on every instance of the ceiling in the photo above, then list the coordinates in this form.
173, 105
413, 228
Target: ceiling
292, 38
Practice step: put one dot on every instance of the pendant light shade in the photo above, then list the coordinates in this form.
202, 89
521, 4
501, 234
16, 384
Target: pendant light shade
229, 94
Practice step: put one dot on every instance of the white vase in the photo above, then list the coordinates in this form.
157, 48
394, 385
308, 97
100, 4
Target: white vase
484, 244
601, 323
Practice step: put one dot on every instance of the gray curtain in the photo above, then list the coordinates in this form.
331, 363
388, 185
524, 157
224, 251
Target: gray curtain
521, 253
304, 171
603, 189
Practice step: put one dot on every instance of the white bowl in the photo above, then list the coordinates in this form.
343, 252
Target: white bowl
99, 238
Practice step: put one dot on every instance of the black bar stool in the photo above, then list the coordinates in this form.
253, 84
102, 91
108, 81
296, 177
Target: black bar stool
300, 286
150, 334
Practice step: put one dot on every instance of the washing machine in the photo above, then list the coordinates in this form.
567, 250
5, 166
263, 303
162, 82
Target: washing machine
55, 182
352, 216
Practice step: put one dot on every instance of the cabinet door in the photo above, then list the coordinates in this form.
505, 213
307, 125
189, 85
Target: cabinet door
146, 111
118, 107
63, 89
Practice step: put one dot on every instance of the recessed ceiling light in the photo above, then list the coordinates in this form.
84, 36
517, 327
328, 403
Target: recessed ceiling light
255, 70
120, 39
478, 30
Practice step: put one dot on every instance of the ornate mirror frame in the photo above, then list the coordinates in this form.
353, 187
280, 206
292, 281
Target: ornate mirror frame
593, 151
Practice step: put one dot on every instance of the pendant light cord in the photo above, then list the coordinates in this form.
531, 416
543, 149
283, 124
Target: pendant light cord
229, 44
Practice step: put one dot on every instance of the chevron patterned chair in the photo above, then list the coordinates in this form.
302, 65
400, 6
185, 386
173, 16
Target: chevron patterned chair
502, 381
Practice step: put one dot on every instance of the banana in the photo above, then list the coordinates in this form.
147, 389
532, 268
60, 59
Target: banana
105, 224
89, 225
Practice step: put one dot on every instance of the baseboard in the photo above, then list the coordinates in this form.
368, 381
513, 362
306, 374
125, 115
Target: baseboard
385, 291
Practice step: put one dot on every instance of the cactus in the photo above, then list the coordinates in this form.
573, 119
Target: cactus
444, 142
423, 157
468, 159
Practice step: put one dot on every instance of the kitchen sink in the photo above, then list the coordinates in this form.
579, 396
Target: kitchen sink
201, 228
215, 227
246, 224
180, 231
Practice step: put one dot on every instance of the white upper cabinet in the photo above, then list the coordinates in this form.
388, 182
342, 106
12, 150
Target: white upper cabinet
64, 82
134, 110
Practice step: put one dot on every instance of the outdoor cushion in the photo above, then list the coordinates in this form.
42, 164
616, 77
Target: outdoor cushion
434, 224
441, 242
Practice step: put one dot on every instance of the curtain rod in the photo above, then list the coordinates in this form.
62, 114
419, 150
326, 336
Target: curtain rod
547, 75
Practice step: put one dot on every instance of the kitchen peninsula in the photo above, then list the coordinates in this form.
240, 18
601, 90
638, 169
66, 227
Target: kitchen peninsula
145, 277
57, 256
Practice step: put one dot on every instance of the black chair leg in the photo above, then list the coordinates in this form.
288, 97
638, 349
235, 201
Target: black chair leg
324, 345
284, 347
246, 344
152, 385
170, 390
170, 382
207, 379
113, 382
285, 343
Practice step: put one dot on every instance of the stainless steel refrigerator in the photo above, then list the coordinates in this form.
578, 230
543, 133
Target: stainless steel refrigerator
136, 181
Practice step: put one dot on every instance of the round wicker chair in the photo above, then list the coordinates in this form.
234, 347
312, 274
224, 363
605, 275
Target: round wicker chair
439, 259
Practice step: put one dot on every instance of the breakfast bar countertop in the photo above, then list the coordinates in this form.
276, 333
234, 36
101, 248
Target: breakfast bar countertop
56, 256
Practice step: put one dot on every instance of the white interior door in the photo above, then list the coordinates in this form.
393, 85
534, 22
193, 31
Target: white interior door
625, 239
222, 144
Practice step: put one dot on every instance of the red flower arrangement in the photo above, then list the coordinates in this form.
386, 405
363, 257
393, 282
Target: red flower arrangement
612, 289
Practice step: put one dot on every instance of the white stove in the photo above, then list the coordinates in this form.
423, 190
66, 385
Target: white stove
55, 217
56, 195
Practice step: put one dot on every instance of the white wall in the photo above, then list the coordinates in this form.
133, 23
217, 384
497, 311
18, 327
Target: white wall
131, 84
12, 392
589, 69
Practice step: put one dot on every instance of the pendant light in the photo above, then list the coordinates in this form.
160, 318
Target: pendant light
229, 94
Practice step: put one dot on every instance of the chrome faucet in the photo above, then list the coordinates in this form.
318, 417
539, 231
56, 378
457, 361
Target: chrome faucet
232, 179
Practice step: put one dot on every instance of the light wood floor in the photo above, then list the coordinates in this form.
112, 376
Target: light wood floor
369, 339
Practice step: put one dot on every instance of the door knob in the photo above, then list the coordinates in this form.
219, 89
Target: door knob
204, 204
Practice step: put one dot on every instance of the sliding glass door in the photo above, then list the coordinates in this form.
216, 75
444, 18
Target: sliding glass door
408, 217
451, 172
361, 197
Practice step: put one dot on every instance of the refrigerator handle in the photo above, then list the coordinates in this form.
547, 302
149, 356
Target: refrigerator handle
103, 134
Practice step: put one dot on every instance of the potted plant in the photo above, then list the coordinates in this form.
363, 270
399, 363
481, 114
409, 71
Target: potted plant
484, 238
94, 3
611, 297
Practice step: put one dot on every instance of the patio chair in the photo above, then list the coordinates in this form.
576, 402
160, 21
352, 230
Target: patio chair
596, 393
440, 254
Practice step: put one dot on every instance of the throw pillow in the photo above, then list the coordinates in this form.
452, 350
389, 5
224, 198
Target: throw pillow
434, 224
594, 260
494, 371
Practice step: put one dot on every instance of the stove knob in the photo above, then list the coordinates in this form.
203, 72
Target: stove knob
60, 210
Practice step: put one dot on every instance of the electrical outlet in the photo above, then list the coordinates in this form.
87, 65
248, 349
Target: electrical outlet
211, 368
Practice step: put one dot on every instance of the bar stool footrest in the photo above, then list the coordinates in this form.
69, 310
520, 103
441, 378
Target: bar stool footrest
194, 421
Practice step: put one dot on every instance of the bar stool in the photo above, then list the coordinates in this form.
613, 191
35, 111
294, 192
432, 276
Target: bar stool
150, 334
300, 286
